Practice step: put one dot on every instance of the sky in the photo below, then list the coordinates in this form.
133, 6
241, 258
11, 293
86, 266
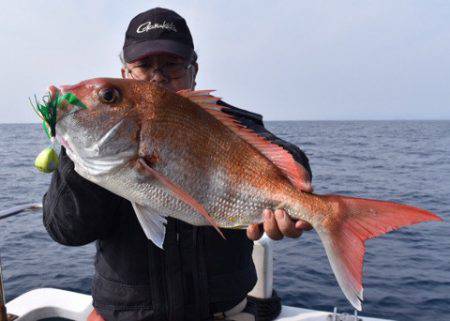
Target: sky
287, 60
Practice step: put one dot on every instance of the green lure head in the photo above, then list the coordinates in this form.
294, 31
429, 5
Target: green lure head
47, 160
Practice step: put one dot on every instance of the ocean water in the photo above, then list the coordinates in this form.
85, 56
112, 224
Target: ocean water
406, 273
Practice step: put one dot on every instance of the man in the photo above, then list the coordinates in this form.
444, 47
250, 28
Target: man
198, 275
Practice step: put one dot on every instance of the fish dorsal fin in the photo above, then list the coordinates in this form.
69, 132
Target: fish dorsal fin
294, 171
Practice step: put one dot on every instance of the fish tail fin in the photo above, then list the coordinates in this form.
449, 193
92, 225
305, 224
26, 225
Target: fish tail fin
352, 222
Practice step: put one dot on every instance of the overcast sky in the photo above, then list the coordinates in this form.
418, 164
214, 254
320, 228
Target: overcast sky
288, 60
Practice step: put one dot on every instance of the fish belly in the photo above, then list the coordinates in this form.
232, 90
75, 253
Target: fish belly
230, 207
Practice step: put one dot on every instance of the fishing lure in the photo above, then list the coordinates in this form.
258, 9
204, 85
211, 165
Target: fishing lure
47, 160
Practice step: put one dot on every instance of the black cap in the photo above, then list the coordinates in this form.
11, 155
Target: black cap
157, 31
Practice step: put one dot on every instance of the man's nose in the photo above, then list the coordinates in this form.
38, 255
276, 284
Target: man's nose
158, 77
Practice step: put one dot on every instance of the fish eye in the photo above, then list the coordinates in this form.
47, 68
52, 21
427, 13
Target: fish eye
109, 95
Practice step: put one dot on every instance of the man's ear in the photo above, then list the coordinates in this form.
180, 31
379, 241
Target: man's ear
123, 72
195, 70
194, 75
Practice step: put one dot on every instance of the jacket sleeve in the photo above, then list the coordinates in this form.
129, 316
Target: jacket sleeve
76, 211
254, 122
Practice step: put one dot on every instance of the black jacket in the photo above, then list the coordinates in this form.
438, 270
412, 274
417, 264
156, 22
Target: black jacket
197, 274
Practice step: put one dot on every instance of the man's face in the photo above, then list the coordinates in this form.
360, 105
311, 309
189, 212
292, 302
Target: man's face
171, 72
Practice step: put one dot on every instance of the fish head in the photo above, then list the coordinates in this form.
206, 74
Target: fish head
98, 125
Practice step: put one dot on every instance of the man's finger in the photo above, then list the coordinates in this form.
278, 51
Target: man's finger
95, 316
286, 224
303, 225
255, 232
271, 226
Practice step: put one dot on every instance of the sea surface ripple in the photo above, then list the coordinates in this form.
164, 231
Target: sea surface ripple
406, 273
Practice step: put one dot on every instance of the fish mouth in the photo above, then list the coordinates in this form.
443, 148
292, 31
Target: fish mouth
63, 142
53, 90
64, 106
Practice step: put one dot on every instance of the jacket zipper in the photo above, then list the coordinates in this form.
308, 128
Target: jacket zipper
169, 309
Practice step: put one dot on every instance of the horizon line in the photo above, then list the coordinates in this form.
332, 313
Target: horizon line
286, 120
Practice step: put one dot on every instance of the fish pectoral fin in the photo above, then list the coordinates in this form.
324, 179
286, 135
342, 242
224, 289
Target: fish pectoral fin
152, 223
180, 193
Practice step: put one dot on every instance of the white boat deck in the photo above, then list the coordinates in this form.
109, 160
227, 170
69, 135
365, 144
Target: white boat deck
45, 303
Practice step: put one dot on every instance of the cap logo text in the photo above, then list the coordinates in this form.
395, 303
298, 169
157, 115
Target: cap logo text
146, 26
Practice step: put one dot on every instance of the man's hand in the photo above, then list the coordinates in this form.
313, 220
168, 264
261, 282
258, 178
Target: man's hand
277, 225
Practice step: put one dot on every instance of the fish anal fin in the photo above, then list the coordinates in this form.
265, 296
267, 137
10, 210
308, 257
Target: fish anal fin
180, 193
280, 157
